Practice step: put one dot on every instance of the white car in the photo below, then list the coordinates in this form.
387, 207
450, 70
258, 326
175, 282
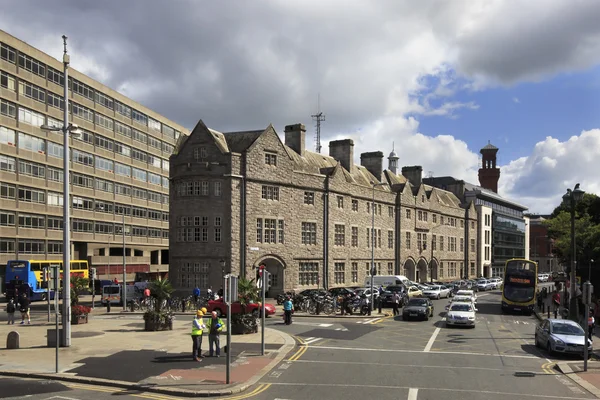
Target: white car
465, 292
436, 292
484, 284
497, 282
462, 314
461, 299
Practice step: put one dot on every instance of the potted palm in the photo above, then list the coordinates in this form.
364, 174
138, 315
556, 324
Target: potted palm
79, 313
245, 322
159, 319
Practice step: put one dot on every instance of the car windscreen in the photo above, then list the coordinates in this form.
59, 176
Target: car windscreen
417, 302
461, 307
561, 328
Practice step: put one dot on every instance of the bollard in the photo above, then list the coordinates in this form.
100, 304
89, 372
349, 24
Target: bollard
555, 313
108, 306
12, 340
318, 307
548, 311
131, 306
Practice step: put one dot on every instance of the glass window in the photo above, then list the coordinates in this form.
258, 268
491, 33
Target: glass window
82, 89
139, 136
122, 109
104, 100
122, 149
104, 164
32, 91
139, 117
28, 142
31, 117
55, 150
123, 170
32, 65
8, 108
82, 112
8, 53
104, 143
31, 169
81, 157
56, 101
55, 175
56, 76
7, 81
168, 131
154, 125
7, 164
7, 136
139, 174
154, 179
104, 121
30, 195
122, 129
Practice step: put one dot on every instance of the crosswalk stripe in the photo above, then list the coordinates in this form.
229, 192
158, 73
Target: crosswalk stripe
311, 340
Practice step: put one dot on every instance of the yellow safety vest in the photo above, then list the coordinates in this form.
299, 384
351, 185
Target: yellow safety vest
196, 331
209, 324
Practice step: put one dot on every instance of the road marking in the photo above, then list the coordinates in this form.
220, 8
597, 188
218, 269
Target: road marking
261, 388
421, 351
516, 395
394, 365
311, 340
412, 393
312, 324
432, 339
341, 329
368, 321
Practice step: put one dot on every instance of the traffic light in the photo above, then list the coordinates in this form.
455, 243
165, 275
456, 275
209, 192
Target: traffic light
92, 273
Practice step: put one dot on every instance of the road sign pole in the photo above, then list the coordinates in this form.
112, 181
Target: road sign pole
263, 282
57, 337
227, 293
47, 280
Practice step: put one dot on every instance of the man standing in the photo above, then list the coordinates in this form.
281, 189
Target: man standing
197, 330
396, 303
288, 308
214, 326
196, 294
24, 308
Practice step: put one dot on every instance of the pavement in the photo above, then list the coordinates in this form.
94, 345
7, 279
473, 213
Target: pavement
114, 350
574, 370
379, 357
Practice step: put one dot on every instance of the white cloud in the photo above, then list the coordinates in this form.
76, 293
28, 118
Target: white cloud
240, 65
540, 179
516, 100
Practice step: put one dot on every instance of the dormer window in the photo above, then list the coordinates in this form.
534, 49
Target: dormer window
199, 153
271, 159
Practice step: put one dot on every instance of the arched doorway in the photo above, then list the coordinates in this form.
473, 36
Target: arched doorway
422, 270
276, 268
409, 269
434, 267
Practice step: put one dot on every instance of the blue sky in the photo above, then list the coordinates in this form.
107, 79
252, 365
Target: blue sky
515, 118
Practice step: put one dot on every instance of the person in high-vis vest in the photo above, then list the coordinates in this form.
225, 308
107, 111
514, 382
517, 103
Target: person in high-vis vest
197, 330
214, 326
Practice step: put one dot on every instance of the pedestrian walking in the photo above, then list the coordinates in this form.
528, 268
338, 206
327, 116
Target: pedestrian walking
396, 303
214, 326
196, 294
209, 293
288, 309
197, 330
24, 308
10, 310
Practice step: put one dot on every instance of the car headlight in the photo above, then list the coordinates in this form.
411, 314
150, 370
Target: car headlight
559, 342
471, 318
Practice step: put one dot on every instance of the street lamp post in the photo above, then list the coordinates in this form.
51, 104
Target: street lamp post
373, 185
67, 130
572, 197
124, 267
590, 270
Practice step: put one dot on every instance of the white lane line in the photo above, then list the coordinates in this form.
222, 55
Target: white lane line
505, 394
431, 352
311, 340
392, 365
412, 393
432, 339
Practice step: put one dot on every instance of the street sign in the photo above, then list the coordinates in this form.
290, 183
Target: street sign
586, 297
230, 292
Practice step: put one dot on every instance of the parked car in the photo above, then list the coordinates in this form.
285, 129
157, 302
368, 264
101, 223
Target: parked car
418, 308
484, 284
236, 308
469, 293
436, 292
461, 299
461, 314
561, 336
414, 291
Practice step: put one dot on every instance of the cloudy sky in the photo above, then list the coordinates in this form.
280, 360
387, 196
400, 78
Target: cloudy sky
437, 78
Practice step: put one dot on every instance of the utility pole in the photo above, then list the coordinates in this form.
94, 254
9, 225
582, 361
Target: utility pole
318, 117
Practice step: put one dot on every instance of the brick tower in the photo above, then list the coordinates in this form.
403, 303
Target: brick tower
489, 174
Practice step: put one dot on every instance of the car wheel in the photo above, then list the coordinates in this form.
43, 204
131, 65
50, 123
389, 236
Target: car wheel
438, 297
44, 297
536, 341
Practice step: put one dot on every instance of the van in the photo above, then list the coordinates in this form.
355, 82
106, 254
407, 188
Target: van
112, 294
386, 280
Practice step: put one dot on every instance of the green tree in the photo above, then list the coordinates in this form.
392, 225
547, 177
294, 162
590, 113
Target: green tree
78, 285
247, 292
160, 290
587, 230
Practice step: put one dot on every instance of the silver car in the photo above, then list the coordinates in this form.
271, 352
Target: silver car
561, 336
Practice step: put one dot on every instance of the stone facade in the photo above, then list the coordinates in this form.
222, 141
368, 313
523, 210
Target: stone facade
244, 199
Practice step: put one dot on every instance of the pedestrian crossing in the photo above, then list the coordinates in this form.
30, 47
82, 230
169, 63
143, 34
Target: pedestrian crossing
368, 321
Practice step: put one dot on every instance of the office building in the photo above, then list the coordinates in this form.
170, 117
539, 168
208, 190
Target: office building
119, 168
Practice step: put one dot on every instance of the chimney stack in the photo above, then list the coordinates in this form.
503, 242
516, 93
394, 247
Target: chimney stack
373, 162
295, 136
414, 174
343, 151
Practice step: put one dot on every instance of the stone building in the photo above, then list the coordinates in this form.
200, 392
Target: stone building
244, 199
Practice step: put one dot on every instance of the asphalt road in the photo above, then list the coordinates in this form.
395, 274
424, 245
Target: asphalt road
387, 358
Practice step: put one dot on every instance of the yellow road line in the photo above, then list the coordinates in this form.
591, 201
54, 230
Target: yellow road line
382, 319
299, 353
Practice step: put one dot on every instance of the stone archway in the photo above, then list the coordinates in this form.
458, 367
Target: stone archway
410, 270
434, 269
422, 267
276, 268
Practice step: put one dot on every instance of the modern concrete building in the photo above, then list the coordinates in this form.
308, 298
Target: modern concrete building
503, 231
244, 199
119, 168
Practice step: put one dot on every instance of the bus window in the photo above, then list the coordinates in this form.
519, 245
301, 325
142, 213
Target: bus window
36, 266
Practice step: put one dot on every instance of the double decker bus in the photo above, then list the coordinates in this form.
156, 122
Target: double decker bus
519, 286
26, 276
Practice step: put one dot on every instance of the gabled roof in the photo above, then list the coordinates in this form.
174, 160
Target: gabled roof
239, 142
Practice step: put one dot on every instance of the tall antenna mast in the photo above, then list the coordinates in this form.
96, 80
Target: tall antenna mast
318, 117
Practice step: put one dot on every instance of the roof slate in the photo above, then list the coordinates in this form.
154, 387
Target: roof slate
240, 141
